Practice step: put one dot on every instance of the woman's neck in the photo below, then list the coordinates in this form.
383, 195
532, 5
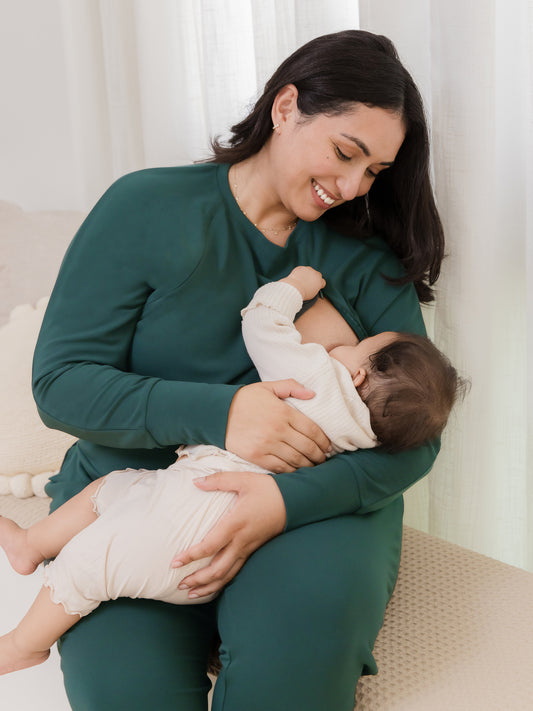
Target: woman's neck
253, 187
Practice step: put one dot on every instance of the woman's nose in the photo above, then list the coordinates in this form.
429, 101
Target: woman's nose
351, 184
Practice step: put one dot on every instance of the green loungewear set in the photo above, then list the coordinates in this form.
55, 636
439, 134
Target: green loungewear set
140, 351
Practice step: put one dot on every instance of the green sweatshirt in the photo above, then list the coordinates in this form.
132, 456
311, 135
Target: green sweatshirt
141, 350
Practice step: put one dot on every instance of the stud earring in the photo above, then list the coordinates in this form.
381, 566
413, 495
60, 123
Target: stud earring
275, 127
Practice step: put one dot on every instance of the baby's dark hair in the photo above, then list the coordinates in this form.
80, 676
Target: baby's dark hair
410, 390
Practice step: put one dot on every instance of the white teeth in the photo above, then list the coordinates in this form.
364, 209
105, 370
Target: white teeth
322, 195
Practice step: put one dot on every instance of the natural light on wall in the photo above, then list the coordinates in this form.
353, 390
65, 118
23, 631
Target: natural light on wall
118, 85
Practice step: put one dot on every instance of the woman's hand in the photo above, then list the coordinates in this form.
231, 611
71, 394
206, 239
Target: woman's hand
257, 515
270, 433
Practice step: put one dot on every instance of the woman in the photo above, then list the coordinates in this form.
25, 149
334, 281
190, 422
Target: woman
140, 351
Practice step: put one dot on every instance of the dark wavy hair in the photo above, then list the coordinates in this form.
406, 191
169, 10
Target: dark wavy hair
331, 73
410, 391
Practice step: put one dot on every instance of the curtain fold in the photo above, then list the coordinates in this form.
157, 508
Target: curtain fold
135, 83
477, 59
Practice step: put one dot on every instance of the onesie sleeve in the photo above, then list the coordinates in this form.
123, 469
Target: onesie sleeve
275, 346
367, 479
82, 382
269, 334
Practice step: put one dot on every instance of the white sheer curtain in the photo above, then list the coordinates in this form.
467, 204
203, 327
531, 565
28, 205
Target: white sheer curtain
474, 63
104, 87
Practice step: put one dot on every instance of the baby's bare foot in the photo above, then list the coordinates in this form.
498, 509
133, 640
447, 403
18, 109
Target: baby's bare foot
13, 539
12, 658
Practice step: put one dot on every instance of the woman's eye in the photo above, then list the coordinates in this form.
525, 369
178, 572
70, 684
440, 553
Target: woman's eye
344, 157
340, 154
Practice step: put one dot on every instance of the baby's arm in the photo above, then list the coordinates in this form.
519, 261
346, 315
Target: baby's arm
272, 341
276, 348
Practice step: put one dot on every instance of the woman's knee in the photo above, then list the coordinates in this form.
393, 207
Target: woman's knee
322, 577
138, 654
303, 614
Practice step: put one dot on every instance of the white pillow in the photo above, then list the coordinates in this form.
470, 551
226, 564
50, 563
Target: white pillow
30, 453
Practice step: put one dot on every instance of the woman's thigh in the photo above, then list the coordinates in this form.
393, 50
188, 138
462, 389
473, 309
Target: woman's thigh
136, 655
299, 622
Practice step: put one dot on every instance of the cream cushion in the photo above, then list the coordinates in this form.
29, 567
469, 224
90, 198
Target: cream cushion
32, 245
29, 452
457, 634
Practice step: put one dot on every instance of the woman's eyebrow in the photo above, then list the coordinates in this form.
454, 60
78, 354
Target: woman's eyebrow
364, 147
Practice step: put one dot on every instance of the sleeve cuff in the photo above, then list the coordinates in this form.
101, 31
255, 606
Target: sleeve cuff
277, 295
310, 496
189, 413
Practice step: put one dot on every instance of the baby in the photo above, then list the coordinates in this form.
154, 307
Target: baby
394, 390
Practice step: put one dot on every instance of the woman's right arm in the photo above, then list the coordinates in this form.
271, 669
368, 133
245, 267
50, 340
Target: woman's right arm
81, 378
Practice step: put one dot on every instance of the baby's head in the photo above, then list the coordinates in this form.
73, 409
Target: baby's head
408, 385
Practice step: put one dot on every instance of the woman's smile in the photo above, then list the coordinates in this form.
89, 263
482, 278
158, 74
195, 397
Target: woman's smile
325, 199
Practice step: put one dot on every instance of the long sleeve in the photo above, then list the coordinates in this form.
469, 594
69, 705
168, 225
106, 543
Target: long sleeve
276, 348
83, 380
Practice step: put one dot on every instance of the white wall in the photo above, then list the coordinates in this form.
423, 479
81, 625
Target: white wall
35, 138
93, 89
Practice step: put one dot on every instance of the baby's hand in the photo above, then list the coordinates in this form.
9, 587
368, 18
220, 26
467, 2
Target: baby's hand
307, 280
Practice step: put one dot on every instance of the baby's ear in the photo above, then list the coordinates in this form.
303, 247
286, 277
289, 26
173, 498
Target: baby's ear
359, 377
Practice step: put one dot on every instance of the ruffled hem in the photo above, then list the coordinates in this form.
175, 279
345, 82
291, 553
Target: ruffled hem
53, 596
94, 498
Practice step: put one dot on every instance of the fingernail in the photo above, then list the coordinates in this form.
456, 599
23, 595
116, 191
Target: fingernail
183, 587
193, 595
198, 478
177, 563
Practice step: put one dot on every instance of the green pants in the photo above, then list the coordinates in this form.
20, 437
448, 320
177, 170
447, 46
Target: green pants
297, 624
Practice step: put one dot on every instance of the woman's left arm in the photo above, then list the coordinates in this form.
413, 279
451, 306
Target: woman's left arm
352, 482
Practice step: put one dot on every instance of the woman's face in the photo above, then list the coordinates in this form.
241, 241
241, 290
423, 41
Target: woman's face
322, 161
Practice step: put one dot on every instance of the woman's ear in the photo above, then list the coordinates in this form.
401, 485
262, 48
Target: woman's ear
285, 105
359, 377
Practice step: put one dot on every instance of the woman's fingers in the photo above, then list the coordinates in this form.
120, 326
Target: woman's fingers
216, 574
196, 552
257, 515
307, 438
289, 388
214, 582
296, 449
262, 427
